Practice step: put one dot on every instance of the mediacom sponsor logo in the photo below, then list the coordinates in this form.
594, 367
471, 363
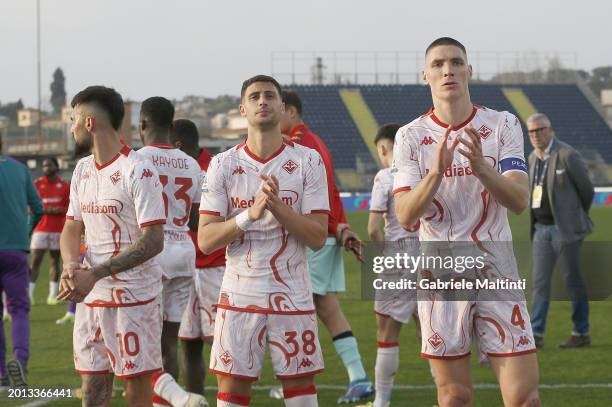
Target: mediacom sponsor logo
455, 171
93, 207
238, 202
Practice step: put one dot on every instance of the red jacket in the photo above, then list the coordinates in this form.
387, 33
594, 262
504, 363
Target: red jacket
216, 258
54, 193
301, 134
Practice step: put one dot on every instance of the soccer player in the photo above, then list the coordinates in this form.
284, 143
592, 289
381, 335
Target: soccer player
116, 196
180, 177
18, 194
55, 195
392, 310
266, 200
459, 167
198, 322
326, 266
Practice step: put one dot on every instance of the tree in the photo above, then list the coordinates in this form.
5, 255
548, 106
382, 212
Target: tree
58, 91
601, 78
10, 110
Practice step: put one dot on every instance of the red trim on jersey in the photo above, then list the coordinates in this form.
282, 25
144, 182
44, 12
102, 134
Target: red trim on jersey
162, 145
297, 376
234, 398
125, 150
382, 315
153, 222
69, 217
440, 123
512, 354
195, 338
425, 355
158, 400
375, 211
387, 344
261, 160
91, 372
280, 251
304, 391
128, 376
485, 213
235, 376
263, 310
212, 213
401, 189
116, 305
319, 211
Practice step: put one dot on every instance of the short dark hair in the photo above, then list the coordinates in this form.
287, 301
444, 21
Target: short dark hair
186, 132
260, 78
387, 132
53, 160
446, 41
291, 98
159, 111
107, 99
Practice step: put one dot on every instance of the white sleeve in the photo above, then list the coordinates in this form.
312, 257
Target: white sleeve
197, 176
511, 152
379, 200
146, 190
316, 196
74, 207
214, 194
406, 169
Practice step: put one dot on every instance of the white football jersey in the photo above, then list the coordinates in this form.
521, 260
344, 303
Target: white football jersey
462, 209
382, 202
267, 268
115, 201
181, 178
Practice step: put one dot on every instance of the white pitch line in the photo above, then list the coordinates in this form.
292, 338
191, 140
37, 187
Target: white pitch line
478, 386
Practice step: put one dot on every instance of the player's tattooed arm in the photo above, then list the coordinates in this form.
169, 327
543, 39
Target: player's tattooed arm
150, 244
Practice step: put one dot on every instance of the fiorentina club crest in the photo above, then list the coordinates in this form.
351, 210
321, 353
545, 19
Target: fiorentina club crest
435, 340
290, 166
116, 177
484, 132
226, 358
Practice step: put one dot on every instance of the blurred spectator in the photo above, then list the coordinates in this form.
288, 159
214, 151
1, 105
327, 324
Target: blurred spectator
18, 193
561, 195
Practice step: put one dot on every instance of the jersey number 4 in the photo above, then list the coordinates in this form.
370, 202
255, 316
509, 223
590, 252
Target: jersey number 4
179, 195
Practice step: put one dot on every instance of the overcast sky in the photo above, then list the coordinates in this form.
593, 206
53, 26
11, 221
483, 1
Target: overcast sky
182, 47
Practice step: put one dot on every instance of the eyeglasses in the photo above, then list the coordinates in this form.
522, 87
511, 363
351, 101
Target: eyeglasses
538, 130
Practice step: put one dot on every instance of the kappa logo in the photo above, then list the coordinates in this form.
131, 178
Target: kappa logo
428, 140
146, 173
290, 166
484, 131
226, 358
306, 363
238, 170
116, 177
435, 340
524, 341
129, 365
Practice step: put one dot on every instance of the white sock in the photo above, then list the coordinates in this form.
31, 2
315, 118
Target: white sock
31, 290
232, 400
53, 288
306, 397
168, 389
387, 363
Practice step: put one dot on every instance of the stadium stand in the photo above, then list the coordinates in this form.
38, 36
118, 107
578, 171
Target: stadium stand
575, 120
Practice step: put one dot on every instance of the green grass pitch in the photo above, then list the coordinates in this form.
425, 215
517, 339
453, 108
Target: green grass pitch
51, 347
